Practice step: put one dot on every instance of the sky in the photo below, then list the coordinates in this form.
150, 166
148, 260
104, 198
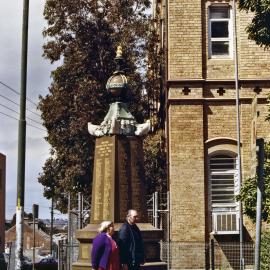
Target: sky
38, 81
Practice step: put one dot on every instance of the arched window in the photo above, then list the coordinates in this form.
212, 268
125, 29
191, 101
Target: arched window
222, 179
223, 188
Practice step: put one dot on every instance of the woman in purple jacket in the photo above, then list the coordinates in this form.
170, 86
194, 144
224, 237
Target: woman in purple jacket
105, 253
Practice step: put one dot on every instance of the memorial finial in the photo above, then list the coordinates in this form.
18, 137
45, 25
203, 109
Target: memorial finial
119, 121
119, 52
119, 60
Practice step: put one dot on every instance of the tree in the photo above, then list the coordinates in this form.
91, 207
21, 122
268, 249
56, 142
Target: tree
259, 28
248, 193
155, 162
155, 144
83, 35
265, 246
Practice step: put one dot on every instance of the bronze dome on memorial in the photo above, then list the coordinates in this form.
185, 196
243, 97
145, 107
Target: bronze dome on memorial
117, 84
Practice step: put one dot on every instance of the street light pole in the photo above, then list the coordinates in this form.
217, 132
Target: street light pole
21, 142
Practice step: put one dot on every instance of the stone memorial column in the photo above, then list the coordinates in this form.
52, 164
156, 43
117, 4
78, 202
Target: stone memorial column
118, 178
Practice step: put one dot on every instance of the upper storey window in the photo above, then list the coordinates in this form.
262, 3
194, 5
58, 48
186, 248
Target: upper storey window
220, 32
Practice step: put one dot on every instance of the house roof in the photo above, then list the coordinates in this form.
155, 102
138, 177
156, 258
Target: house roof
40, 232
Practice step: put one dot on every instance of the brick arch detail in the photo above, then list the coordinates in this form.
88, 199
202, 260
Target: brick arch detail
219, 145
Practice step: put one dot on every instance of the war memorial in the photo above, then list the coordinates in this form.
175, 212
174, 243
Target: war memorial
118, 178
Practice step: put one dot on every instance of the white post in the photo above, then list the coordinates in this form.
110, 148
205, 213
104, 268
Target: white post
79, 210
19, 238
156, 209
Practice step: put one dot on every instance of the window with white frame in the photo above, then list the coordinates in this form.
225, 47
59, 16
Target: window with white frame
222, 178
223, 188
220, 32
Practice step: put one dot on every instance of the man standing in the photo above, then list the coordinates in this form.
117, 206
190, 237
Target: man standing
130, 243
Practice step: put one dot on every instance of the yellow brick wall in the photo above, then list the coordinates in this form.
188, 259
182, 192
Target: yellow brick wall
184, 49
254, 61
188, 45
187, 173
204, 113
221, 122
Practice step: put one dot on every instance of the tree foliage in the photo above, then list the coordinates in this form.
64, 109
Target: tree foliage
155, 75
248, 193
154, 144
265, 246
83, 36
155, 162
259, 28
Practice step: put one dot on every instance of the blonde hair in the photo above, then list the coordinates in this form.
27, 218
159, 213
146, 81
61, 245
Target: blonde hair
104, 226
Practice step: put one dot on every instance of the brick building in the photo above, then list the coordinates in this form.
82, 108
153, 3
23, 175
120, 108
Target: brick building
2, 201
42, 240
201, 121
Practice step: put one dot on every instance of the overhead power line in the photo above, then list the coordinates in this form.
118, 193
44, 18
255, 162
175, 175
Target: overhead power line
10, 100
7, 115
6, 107
16, 92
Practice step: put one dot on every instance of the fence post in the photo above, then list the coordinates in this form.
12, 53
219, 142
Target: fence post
168, 232
10, 250
155, 209
59, 255
260, 188
212, 254
80, 210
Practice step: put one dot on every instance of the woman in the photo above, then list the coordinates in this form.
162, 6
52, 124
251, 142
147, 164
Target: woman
105, 253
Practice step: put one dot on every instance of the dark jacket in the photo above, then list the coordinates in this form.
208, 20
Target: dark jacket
101, 251
130, 244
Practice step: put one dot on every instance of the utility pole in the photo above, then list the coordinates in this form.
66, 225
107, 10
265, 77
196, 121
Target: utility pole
21, 142
51, 231
35, 215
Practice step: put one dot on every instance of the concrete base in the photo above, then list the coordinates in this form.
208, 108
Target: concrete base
146, 266
151, 237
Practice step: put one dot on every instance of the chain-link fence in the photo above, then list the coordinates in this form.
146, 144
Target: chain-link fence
68, 250
67, 255
179, 255
227, 255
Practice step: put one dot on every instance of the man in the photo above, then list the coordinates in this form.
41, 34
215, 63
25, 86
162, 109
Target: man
130, 243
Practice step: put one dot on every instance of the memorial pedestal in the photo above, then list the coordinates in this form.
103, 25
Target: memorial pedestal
151, 237
118, 185
118, 180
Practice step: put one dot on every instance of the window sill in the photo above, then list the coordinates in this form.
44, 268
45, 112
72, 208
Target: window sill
224, 232
220, 61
